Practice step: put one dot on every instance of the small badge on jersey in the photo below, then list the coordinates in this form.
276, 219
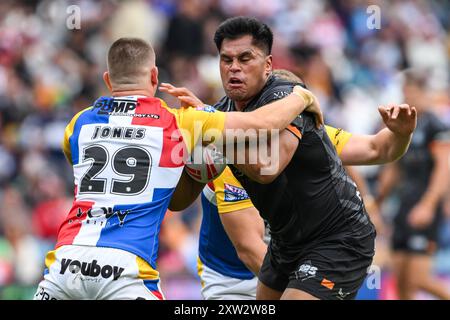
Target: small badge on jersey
233, 193
206, 108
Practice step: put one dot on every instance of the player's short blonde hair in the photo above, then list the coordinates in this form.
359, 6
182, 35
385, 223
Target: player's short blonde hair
286, 75
130, 59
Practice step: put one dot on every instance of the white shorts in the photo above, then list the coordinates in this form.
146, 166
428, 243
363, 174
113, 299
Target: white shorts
83, 272
216, 286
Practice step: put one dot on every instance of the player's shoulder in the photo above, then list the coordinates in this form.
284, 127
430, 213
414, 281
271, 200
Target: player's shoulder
277, 88
334, 132
274, 89
77, 116
433, 125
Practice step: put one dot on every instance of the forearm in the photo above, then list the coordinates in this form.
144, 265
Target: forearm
253, 256
391, 146
185, 193
281, 113
245, 228
276, 115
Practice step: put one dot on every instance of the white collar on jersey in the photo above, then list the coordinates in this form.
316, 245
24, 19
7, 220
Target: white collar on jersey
131, 97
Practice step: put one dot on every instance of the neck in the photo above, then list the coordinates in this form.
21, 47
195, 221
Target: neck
131, 92
240, 105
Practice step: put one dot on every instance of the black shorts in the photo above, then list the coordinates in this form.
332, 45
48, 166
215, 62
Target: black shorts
328, 270
405, 238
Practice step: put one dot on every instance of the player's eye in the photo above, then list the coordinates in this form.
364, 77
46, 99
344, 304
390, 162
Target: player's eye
227, 59
245, 58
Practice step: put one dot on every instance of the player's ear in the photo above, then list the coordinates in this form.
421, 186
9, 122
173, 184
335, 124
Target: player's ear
268, 65
107, 80
154, 77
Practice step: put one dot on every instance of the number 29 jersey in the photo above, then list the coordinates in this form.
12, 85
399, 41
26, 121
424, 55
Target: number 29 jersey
127, 155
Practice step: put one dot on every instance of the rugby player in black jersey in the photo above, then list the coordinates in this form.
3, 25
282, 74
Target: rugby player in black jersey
322, 239
422, 176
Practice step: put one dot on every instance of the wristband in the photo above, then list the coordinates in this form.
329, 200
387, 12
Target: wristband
305, 95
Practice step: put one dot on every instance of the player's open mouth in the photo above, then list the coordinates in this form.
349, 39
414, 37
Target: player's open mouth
235, 83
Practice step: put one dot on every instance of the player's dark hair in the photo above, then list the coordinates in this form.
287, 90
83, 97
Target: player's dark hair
237, 27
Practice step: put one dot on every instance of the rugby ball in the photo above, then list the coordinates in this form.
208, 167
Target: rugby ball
205, 163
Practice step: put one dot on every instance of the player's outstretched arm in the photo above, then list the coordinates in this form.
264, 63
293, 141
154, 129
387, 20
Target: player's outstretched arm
388, 144
278, 114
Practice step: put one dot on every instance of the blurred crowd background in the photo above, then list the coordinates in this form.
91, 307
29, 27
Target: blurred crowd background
48, 72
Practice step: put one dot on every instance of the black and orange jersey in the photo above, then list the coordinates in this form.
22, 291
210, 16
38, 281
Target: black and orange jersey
313, 199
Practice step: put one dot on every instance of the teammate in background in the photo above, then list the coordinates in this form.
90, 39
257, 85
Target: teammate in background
246, 75
422, 177
127, 153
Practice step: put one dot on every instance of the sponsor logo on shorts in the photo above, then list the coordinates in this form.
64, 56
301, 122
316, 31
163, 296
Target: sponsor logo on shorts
306, 271
327, 284
233, 193
341, 295
91, 269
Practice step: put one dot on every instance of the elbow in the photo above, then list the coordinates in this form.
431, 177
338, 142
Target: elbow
175, 208
264, 179
178, 206
263, 173
257, 175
